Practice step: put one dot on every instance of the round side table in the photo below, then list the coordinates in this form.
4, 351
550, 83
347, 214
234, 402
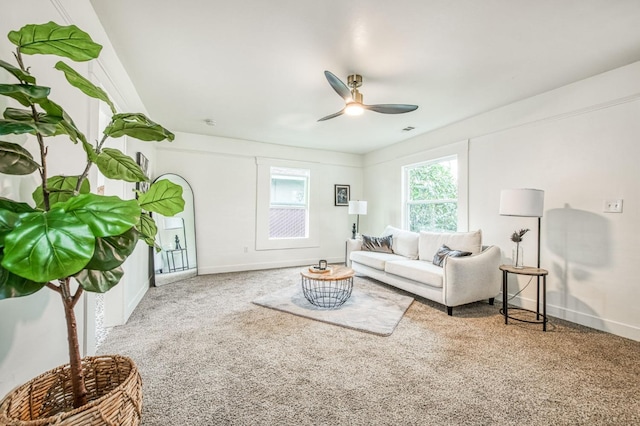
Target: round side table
328, 289
530, 271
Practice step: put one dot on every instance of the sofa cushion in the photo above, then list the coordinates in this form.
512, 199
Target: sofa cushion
378, 244
444, 252
373, 259
405, 243
430, 242
423, 272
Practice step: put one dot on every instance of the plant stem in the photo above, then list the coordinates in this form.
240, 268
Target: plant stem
85, 173
75, 361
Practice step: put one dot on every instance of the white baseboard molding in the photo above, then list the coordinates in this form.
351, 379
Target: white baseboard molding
614, 327
205, 270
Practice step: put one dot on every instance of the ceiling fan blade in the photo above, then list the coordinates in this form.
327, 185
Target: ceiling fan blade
329, 117
391, 108
337, 84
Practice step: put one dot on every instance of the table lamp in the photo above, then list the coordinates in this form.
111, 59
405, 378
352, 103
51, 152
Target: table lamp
523, 202
357, 207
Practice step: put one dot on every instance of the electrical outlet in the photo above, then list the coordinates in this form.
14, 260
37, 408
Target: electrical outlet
246, 249
613, 206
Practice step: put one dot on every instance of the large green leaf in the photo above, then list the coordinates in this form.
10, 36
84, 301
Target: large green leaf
48, 246
26, 94
105, 215
99, 281
12, 285
116, 165
18, 114
23, 76
47, 125
111, 252
21, 127
67, 126
137, 126
53, 39
13, 206
87, 87
148, 230
15, 160
61, 188
8, 220
164, 197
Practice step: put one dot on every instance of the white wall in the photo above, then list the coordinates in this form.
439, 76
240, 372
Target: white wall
32, 329
222, 173
579, 144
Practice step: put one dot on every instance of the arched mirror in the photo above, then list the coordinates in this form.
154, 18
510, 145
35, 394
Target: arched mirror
177, 238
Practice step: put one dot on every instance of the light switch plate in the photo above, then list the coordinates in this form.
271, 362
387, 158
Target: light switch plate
613, 206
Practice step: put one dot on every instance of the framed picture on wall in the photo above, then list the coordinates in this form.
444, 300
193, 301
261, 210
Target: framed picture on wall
341, 195
143, 162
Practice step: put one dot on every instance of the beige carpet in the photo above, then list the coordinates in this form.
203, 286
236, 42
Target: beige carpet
372, 310
208, 356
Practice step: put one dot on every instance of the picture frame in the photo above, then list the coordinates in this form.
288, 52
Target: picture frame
341, 195
143, 162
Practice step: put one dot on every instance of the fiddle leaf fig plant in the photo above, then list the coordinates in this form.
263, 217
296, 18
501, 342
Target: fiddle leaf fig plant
67, 238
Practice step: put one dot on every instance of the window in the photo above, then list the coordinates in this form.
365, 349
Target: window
431, 195
286, 202
289, 207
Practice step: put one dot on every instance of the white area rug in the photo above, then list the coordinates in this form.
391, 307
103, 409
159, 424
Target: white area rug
376, 311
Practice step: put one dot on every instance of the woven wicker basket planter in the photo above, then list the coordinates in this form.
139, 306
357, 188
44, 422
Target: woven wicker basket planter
114, 391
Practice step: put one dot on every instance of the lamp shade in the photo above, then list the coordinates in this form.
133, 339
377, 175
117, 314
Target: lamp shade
522, 202
173, 223
357, 207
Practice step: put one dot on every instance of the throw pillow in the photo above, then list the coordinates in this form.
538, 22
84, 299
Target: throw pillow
379, 244
445, 251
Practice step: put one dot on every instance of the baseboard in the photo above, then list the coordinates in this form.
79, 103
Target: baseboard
205, 270
609, 326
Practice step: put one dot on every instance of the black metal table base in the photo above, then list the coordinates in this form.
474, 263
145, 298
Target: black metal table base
505, 308
536, 321
327, 294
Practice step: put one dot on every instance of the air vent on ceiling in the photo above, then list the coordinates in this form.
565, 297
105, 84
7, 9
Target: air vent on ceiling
408, 129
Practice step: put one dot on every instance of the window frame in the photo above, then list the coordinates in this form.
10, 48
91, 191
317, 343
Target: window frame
460, 150
408, 202
263, 206
305, 177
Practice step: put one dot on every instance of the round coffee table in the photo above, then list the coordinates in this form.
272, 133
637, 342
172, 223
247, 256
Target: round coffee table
328, 289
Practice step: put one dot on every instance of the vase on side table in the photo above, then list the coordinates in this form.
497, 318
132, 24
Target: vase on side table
518, 255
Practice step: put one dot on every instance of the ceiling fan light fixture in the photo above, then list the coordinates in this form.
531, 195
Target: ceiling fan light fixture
353, 99
353, 108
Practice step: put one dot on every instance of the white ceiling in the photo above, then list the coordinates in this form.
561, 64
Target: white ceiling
256, 67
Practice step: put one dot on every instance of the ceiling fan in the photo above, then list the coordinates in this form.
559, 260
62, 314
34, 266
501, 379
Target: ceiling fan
353, 98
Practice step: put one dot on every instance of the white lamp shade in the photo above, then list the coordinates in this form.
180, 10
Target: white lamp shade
357, 207
173, 223
522, 202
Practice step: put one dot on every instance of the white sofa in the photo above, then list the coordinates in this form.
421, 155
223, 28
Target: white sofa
410, 267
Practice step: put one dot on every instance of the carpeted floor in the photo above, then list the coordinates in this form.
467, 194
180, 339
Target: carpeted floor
208, 356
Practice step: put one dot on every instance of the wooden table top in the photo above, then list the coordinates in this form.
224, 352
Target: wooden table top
336, 273
525, 270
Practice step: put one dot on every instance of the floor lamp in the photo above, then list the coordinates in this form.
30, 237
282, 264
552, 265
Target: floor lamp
357, 207
523, 202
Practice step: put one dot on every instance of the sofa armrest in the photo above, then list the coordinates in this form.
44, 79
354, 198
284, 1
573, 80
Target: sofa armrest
352, 245
472, 278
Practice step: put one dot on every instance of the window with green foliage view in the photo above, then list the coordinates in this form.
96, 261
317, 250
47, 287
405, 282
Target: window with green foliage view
431, 195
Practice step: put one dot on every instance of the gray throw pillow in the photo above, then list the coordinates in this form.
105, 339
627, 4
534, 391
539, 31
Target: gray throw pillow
445, 251
379, 244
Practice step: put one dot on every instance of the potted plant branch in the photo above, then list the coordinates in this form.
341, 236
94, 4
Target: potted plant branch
67, 239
